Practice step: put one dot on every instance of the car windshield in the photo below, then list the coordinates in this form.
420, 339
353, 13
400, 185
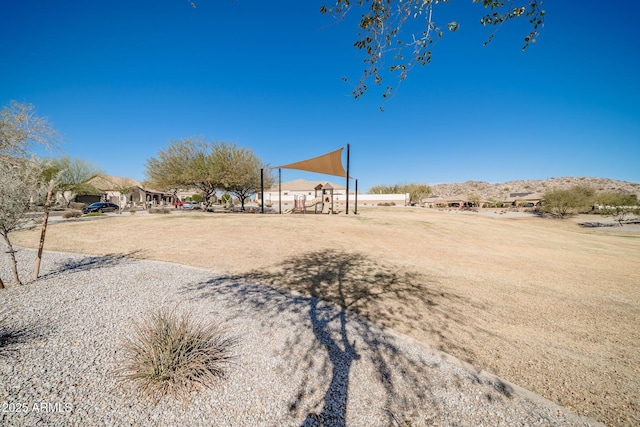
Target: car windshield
96, 204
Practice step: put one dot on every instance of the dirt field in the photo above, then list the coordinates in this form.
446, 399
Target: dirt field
543, 303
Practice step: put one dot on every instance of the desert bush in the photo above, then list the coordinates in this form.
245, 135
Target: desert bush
72, 214
567, 202
171, 354
618, 205
159, 210
77, 206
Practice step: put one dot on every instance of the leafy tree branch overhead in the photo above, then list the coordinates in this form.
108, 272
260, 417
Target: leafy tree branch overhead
386, 35
402, 32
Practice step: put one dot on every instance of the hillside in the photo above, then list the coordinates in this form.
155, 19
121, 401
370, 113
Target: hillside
502, 190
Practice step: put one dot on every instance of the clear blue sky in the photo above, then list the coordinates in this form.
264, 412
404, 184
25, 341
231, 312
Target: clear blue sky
119, 79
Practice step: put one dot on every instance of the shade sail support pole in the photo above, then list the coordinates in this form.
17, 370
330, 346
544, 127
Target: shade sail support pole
279, 190
348, 153
262, 189
356, 210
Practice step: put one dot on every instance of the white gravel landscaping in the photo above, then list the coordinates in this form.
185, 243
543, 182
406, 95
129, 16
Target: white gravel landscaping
298, 361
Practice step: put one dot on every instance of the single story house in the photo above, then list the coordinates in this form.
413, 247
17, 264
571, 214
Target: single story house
124, 192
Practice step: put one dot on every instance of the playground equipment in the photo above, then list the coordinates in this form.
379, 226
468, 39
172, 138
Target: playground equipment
323, 198
300, 204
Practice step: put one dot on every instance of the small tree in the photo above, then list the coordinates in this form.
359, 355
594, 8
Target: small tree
72, 176
239, 171
564, 202
20, 178
474, 199
417, 192
21, 128
20, 185
618, 205
185, 163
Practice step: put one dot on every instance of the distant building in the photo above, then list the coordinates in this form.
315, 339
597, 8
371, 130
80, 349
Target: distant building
124, 191
308, 193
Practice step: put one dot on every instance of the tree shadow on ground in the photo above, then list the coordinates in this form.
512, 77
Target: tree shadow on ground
87, 263
336, 290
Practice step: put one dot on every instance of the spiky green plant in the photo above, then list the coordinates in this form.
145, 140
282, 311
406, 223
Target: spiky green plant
171, 354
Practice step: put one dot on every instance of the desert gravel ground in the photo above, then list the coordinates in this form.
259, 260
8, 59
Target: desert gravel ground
297, 360
541, 303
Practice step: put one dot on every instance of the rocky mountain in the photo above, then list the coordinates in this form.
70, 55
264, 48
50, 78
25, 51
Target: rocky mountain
502, 191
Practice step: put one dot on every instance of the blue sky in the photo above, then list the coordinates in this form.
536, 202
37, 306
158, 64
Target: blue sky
119, 79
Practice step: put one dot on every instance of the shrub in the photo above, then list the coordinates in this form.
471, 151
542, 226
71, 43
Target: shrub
72, 214
168, 354
563, 203
78, 206
159, 210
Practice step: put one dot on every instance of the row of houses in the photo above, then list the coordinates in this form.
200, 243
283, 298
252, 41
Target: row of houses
130, 192
527, 200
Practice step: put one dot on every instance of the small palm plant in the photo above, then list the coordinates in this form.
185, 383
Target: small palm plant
169, 354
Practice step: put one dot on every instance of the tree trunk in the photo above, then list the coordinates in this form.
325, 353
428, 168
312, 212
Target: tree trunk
14, 263
47, 208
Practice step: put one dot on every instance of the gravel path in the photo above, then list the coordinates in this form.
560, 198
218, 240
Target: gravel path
298, 360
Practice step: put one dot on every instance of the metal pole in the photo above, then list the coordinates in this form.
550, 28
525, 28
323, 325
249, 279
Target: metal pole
347, 209
356, 210
262, 189
279, 190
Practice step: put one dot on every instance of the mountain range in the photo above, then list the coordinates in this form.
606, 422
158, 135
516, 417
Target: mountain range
502, 190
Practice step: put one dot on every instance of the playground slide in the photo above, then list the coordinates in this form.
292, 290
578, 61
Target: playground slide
298, 207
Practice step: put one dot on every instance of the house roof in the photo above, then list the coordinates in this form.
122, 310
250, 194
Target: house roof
432, 199
110, 183
304, 185
116, 183
524, 197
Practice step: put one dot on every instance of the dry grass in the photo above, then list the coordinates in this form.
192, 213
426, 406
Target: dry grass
171, 354
542, 303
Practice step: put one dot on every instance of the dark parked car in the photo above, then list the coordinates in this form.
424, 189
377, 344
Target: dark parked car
100, 207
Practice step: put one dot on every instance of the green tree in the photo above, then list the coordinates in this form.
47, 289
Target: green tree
417, 192
395, 35
564, 202
475, 199
239, 170
207, 166
170, 171
72, 176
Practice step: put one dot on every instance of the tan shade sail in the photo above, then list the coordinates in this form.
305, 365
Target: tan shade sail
329, 164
